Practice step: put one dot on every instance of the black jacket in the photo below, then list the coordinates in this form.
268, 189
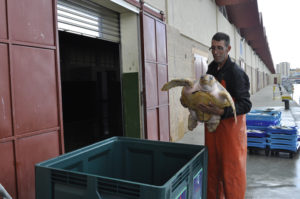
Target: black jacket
237, 84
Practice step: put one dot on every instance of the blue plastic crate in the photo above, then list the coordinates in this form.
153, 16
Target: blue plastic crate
261, 128
293, 148
283, 136
257, 145
256, 133
265, 123
264, 115
282, 130
256, 139
269, 111
283, 141
125, 168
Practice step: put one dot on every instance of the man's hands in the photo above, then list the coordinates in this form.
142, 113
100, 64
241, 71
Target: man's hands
211, 109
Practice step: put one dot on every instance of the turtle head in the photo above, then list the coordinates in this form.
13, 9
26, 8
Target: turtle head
207, 82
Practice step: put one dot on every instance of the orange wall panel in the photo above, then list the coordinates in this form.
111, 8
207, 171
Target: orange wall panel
7, 168
5, 102
151, 84
155, 74
162, 78
29, 151
3, 24
164, 127
152, 127
149, 41
35, 89
32, 21
30, 114
161, 43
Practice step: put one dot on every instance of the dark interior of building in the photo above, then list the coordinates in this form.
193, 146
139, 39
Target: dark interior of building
91, 89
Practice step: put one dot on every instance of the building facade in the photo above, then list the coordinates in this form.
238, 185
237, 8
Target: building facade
77, 71
283, 68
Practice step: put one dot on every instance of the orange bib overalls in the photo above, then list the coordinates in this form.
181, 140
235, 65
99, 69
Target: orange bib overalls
227, 156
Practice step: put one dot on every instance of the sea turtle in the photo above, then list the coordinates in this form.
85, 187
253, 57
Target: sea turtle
206, 91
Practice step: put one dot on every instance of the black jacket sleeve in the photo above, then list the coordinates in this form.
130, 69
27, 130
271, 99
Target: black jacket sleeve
238, 85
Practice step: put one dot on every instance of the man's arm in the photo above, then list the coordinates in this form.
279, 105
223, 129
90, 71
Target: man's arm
240, 92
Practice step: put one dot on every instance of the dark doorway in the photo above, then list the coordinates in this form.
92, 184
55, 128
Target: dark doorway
91, 90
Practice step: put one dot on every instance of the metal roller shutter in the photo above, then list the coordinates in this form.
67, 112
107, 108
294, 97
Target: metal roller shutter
89, 19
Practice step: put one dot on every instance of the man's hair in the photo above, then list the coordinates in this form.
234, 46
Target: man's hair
222, 36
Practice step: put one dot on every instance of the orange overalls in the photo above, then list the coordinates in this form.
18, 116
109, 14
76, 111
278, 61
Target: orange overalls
227, 146
227, 154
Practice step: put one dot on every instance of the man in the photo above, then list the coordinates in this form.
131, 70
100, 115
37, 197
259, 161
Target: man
227, 146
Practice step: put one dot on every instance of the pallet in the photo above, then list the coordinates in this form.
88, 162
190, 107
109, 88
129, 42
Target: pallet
275, 152
255, 150
291, 150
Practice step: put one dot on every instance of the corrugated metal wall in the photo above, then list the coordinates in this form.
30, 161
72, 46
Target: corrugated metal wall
88, 18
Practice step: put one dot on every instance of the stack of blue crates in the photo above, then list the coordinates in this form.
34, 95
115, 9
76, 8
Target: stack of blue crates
256, 138
258, 122
283, 138
261, 119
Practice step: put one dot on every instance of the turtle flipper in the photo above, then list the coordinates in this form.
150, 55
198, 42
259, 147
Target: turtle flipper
230, 100
213, 123
211, 127
176, 82
192, 122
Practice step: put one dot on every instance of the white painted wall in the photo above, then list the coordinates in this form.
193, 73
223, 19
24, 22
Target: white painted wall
248, 54
199, 20
223, 25
195, 19
157, 4
239, 47
191, 24
129, 42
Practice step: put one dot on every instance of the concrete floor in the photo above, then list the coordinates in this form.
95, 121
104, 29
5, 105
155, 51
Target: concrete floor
268, 177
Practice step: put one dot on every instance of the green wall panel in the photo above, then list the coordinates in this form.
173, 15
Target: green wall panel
131, 104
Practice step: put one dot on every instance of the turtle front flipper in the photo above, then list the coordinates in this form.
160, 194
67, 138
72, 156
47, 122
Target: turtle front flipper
176, 82
192, 122
211, 127
230, 100
213, 123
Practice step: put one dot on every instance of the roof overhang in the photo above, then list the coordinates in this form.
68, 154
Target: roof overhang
245, 16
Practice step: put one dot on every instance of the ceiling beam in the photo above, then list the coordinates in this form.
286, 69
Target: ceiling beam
230, 2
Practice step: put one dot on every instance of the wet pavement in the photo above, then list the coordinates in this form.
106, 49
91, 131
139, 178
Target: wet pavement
268, 177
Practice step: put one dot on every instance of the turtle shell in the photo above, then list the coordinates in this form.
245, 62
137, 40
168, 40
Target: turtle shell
193, 100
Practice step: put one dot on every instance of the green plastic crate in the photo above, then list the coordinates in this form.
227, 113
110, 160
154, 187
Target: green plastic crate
126, 168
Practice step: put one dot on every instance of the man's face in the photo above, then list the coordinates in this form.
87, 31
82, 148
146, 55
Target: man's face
219, 50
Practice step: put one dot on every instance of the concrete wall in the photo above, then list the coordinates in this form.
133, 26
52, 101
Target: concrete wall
223, 25
193, 18
248, 54
191, 24
277, 76
157, 4
180, 60
249, 73
130, 43
131, 66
